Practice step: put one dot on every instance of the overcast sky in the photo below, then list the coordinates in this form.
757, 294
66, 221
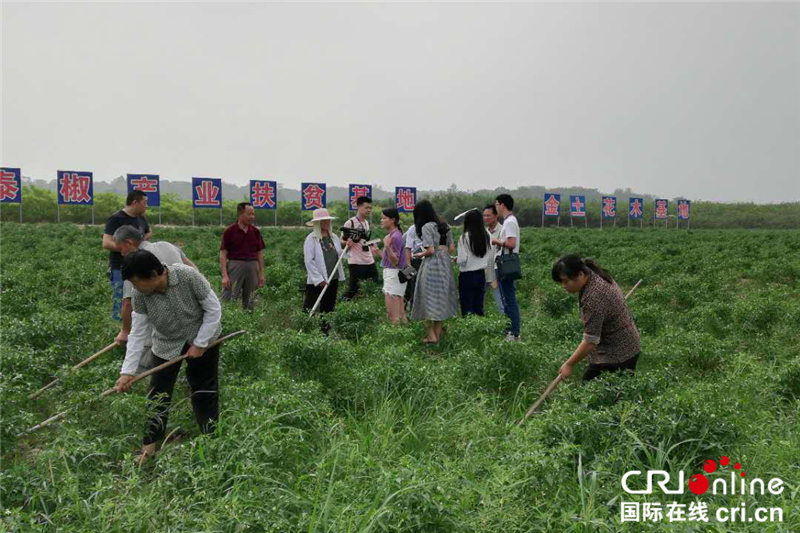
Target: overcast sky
701, 101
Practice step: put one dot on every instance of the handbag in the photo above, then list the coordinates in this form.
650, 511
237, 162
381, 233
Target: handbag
406, 274
508, 267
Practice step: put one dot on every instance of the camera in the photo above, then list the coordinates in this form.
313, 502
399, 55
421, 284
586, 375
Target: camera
357, 235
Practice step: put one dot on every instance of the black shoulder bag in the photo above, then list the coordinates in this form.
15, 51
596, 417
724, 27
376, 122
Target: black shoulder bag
508, 267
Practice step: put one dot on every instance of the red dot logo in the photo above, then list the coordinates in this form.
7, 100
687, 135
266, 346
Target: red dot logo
709, 466
742, 474
737, 466
698, 483
724, 460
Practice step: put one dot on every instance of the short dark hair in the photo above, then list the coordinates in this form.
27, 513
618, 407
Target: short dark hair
506, 200
135, 196
241, 206
141, 264
363, 200
492, 207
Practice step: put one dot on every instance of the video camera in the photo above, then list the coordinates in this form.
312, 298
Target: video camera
357, 235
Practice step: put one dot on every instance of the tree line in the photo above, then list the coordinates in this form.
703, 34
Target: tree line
39, 205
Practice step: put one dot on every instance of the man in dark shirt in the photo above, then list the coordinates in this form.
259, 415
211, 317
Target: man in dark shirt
241, 257
131, 215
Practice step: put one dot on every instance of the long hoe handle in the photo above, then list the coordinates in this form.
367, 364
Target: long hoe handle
327, 283
73, 369
553, 384
141, 376
333, 273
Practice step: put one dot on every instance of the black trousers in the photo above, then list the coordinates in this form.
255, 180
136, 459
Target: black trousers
203, 376
471, 290
359, 273
595, 370
326, 305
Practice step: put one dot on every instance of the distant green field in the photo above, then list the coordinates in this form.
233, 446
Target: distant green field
370, 431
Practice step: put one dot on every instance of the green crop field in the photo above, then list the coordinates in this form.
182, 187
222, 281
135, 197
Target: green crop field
368, 430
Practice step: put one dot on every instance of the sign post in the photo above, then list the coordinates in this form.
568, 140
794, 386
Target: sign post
635, 211
150, 184
608, 209
264, 195
11, 188
207, 194
551, 206
312, 196
684, 207
661, 211
74, 188
577, 208
405, 199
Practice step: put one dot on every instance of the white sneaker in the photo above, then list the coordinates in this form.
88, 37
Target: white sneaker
510, 337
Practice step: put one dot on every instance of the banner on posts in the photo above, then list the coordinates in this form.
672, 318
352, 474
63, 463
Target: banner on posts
75, 188
357, 191
149, 184
683, 209
552, 204
662, 208
207, 193
264, 194
577, 206
635, 208
609, 208
405, 198
313, 196
10, 185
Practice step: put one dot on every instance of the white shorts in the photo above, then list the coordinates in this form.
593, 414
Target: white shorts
391, 282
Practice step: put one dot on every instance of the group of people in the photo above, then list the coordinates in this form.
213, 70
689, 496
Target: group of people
167, 307
418, 273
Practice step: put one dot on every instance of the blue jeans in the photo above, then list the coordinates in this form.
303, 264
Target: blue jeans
509, 293
115, 276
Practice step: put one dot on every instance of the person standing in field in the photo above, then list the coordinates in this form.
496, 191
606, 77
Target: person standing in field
241, 257
177, 302
494, 228
393, 260
360, 263
321, 252
474, 253
508, 242
435, 293
610, 338
130, 215
129, 239
413, 245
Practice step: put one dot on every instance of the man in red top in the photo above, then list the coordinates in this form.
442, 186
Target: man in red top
241, 257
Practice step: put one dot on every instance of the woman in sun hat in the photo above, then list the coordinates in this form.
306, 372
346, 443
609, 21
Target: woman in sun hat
321, 252
610, 338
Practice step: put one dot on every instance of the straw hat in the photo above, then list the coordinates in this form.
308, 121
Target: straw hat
319, 216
